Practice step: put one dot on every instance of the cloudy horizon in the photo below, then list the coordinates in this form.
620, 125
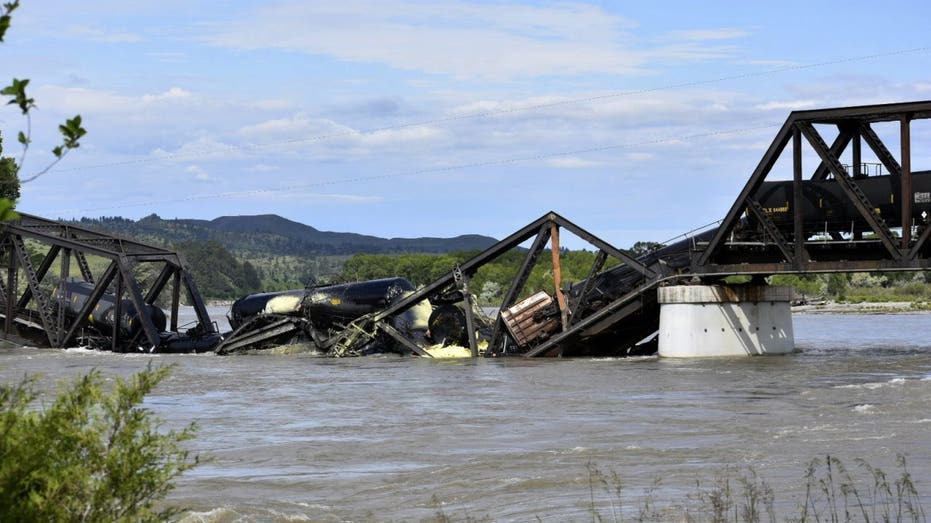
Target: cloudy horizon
441, 117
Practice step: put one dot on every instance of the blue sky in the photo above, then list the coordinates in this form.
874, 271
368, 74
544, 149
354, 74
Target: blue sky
636, 120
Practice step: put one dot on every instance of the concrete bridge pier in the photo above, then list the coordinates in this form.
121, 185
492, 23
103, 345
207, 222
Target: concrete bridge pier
724, 320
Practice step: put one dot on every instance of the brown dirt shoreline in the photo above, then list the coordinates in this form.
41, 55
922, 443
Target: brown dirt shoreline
891, 307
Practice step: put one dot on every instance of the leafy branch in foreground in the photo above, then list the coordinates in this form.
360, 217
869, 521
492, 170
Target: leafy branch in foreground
71, 132
91, 455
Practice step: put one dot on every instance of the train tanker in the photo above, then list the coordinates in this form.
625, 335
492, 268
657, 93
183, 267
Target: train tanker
103, 324
103, 316
318, 314
826, 207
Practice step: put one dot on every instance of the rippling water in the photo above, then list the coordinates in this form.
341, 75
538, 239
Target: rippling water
302, 438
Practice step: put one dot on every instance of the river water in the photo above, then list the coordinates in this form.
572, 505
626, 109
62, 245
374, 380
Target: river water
294, 437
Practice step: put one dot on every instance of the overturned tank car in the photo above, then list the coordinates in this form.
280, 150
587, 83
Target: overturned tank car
318, 315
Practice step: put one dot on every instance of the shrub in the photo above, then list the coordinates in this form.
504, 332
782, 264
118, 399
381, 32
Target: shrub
91, 455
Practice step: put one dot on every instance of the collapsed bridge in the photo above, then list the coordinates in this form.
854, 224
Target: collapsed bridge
839, 217
844, 217
111, 305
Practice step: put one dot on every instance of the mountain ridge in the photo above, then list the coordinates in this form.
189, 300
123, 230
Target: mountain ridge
271, 234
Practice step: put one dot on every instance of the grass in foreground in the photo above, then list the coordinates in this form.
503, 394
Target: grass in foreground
833, 494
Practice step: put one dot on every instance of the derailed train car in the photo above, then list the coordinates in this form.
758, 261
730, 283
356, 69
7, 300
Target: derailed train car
120, 318
317, 315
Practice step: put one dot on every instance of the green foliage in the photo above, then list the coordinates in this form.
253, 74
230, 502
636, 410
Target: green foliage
271, 235
837, 285
5, 19
810, 286
217, 272
91, 455
859, 287
9, 182
281, 254
71, 132
490, 282
640, 248
7, 210
17, 90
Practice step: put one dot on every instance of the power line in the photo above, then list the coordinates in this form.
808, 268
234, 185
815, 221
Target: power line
433, 170
496, 112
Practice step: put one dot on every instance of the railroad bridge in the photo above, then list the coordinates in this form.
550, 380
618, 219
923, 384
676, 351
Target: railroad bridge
839, 214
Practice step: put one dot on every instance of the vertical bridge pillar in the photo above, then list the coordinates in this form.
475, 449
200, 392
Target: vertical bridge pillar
724, 320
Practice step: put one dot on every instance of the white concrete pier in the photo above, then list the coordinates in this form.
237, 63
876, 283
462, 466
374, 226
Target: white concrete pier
724, 320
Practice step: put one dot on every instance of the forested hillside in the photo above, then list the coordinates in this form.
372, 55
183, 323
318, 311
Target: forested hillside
235, 255
490, 282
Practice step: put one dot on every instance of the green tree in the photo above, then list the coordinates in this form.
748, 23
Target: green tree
250, 281
837, 285
71, 132
640, 248
9, 182
91, 455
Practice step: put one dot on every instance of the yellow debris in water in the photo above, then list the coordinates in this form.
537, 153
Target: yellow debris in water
455, 351
450, 351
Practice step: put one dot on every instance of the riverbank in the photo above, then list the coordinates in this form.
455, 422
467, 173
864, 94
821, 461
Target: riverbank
889, 307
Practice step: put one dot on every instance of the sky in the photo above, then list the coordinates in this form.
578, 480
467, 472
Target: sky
635, 120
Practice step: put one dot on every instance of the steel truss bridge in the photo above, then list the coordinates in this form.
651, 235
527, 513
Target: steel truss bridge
849, 229
830, 217
43, 306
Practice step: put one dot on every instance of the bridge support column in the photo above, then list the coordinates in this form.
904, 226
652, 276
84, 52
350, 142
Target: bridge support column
724, 320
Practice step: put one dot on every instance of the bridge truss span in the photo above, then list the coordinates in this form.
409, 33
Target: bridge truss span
838, 217
113, 301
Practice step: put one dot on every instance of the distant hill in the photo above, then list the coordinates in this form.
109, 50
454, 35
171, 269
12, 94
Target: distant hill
270, 234
235, 255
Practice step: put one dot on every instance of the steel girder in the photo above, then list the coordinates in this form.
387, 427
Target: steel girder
65, 242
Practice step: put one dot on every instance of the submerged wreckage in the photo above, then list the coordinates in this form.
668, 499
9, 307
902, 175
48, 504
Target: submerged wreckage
117, 309
605, 314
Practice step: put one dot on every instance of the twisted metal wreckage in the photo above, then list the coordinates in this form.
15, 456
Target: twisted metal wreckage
351, 319
843, 218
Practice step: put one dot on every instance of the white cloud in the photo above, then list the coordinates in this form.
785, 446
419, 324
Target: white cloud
263, 168
639, 157
273, 104
357, 198
171, 94
198, 173
299, 130
95, 101
203, 148
460, 38
95, 34
304, 196
390, 137
709, 34
168, 57
789, 105
293, 127
572, 162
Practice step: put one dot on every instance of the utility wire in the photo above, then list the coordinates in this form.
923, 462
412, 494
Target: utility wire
433, 170
495, 112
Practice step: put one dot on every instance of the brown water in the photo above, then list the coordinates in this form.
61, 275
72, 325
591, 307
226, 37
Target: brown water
302, 438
